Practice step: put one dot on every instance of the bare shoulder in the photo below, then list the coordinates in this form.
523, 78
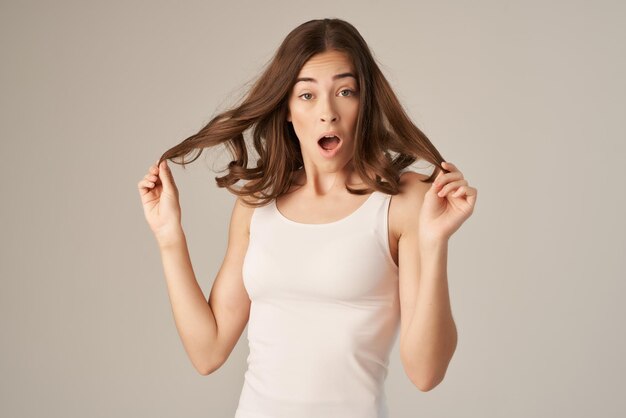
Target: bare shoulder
241, 216
405, 206
242, 213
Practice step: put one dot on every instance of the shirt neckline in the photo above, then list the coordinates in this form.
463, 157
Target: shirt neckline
345, 218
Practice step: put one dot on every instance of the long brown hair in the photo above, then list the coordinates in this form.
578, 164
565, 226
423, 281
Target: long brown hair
386, 140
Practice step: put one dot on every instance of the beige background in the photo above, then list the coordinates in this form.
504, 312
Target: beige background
526, 97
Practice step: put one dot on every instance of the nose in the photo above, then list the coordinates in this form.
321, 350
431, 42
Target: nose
330, 118
328, 112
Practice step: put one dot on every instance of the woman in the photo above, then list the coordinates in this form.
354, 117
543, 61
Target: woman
332, 249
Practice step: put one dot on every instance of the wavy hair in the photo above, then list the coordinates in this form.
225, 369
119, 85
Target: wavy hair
386, 140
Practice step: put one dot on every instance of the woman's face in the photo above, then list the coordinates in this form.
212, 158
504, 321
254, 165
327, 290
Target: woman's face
325, 98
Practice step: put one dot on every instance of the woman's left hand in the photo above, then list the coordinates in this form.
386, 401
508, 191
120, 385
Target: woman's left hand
447, 204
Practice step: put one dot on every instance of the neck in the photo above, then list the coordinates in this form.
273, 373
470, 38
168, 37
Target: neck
315, 182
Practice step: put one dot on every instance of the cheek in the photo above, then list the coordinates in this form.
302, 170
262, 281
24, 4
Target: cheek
350, 113
299, 112
300, 119
301, 128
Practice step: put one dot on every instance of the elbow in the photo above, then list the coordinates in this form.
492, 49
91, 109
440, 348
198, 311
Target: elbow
425, 383
206, 371
426, 375
424, 378
209, 368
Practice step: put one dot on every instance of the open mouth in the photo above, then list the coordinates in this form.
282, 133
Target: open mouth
329, 142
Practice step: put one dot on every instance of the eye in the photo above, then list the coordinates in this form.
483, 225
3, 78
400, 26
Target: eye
304, 94
352, 92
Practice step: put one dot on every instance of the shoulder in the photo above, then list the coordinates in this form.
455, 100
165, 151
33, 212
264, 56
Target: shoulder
405, 206
242, 212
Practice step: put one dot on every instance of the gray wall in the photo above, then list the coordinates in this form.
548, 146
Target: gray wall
525, 97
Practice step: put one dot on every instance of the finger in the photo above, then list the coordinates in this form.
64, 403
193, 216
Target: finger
471, 197
451, 167
144, 187
465, 190
468, 194
447, 178
470, 191
154, 168
165, 175
460, 191
439, 175
151, 177
451, 187
146, 184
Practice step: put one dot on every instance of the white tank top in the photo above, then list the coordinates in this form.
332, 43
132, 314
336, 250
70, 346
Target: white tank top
324, 315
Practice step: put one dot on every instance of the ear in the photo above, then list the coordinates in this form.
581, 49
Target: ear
288, 116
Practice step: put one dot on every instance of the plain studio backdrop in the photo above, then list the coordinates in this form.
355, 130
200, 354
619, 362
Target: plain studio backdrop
527, 98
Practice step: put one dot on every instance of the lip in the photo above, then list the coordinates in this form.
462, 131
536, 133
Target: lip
330, 153
329, 133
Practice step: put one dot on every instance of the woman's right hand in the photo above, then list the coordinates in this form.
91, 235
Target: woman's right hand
159, 196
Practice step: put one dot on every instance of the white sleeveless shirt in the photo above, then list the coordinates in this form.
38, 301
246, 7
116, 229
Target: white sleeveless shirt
324, 314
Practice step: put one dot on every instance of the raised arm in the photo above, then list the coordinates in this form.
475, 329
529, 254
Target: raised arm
209, 329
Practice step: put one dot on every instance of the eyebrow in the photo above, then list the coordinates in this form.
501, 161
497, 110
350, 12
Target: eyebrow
335, 77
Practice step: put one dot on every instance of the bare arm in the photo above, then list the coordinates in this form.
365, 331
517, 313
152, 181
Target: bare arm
193, 316
198, 320
428, 335
210, 329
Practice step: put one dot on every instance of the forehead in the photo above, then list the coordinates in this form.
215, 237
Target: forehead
327, 62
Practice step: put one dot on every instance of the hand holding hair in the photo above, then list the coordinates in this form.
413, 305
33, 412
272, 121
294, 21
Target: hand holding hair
448, 203
159, 197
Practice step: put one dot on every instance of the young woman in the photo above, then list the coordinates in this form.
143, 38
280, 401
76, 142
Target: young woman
334, 249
